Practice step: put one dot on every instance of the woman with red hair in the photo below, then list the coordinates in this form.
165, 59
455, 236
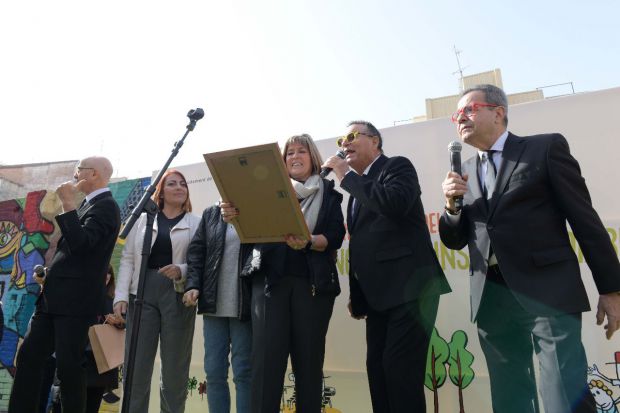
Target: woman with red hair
164, 318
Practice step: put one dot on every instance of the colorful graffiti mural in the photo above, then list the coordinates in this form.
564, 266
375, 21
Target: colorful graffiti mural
27, 234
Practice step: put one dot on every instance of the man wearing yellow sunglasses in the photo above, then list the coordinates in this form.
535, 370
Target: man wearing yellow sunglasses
395, 279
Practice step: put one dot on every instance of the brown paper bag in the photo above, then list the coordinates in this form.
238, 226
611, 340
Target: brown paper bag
108, 344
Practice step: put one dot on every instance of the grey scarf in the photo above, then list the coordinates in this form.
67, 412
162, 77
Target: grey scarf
311, 195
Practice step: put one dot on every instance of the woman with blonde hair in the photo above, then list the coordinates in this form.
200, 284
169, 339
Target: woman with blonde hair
164, 317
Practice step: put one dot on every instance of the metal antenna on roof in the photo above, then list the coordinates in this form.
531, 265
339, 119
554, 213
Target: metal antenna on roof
460, 71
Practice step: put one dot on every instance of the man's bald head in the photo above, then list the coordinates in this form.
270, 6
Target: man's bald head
93, 173
102, 165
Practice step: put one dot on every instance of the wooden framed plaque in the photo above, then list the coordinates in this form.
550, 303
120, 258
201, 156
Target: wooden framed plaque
256, 181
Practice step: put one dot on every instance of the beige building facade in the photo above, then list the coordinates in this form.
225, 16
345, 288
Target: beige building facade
444, 106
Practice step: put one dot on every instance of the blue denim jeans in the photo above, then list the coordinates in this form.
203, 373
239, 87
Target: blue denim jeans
224, 336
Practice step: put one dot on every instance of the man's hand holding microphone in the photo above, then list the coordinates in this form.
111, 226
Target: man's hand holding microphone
455, 185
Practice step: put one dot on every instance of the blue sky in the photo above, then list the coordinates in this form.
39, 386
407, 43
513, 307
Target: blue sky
117, 77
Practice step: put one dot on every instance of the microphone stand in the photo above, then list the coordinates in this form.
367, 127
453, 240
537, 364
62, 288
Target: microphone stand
148, 206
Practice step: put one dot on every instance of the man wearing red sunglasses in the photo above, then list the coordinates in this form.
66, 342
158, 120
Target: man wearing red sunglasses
526, 290
395, 279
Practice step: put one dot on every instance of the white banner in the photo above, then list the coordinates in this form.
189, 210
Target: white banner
587, 122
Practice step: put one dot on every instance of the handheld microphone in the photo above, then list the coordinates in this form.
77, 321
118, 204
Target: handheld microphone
39, 271
455, 148
325, 171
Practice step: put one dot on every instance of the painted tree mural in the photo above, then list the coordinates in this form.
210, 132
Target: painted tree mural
448, 360
192, 384
436, 358
460, 372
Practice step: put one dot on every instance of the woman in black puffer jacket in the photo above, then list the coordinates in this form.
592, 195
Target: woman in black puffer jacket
294, 290
215, 260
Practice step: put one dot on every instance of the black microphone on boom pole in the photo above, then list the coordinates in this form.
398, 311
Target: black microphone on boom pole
455, 148
194, 115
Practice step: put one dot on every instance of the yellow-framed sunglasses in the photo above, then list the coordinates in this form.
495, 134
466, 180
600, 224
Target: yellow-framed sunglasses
351, 137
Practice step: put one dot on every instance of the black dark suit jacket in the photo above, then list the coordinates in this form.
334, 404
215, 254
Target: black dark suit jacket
75, 282
391, 258
539, 188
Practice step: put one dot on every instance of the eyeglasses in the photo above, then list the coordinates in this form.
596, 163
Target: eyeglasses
83, 168
351, 137
470, 110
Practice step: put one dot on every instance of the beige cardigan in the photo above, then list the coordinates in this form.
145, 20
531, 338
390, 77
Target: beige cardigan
180, 236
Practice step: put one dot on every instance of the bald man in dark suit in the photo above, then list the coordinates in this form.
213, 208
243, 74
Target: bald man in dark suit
73, 294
